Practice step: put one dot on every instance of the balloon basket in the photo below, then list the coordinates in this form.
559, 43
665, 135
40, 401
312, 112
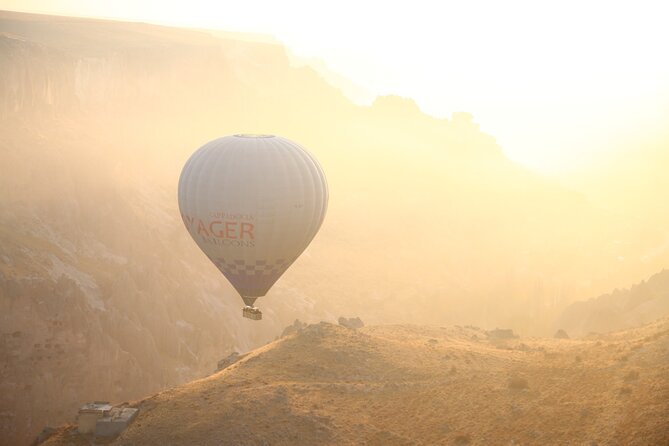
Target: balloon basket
252, 313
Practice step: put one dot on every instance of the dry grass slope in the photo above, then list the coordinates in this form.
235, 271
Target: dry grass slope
409, 385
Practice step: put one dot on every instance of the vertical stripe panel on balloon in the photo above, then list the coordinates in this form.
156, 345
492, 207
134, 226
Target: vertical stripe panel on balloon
314, 214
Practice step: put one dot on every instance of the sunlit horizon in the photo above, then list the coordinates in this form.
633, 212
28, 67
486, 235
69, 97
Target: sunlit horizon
538, 79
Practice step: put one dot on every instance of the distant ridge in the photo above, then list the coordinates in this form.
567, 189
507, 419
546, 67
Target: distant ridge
620, 309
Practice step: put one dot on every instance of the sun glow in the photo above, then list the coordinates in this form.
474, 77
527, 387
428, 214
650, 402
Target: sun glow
558, 84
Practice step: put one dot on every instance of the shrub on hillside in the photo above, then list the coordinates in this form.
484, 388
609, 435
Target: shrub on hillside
561, 334
462, 440
352, 322
518, 383
632, 375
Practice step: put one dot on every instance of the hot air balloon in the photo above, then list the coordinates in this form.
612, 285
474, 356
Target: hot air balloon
252, 203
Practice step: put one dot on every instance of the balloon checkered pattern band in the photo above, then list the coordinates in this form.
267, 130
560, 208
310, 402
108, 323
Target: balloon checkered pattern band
258, 267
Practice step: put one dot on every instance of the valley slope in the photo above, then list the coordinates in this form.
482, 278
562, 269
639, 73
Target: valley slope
412, 385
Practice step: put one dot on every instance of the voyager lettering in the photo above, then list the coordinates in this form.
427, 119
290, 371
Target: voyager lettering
220, 229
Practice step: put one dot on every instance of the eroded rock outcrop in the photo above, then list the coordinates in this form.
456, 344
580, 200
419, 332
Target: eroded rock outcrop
351, 322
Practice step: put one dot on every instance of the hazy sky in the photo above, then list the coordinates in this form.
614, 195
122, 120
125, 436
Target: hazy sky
557, 83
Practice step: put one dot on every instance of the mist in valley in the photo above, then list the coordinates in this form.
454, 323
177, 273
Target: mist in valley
103, 293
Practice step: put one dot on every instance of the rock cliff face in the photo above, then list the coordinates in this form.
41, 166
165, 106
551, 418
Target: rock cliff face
34, 78
54, 65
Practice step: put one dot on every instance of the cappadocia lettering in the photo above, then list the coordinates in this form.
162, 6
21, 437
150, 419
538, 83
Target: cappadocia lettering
223, 229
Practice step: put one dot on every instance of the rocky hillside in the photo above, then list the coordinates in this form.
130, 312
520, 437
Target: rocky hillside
410, 385
620, 309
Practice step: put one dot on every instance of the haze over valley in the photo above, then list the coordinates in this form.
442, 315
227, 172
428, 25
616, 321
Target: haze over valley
104, 295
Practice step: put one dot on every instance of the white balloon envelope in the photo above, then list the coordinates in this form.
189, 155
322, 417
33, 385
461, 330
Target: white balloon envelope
252, 203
